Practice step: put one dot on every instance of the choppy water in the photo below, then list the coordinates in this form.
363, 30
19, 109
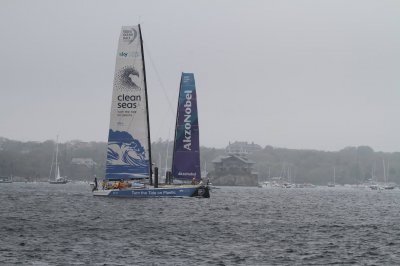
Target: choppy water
43, 224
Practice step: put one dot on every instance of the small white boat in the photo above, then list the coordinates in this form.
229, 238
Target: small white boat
56, 167
5, 179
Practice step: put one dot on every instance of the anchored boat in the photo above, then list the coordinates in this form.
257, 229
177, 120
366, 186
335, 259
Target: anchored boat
5, 179
129, 170
55, 169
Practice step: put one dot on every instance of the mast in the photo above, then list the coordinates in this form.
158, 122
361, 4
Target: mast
166, 158
384, 171
56, 172
372, 174
176, 125
334, 175
388, 173
147, 104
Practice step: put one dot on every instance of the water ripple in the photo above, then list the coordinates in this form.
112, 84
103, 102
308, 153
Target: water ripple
42, 224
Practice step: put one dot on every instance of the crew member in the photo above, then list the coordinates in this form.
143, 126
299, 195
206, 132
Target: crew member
121, 184
95, 184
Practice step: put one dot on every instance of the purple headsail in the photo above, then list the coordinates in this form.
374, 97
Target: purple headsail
186, 157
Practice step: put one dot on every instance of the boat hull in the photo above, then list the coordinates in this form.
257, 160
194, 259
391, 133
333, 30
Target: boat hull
58, 182
5, 179
162, 192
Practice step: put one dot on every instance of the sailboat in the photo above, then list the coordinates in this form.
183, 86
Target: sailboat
373, 183
333, 184
6, 179
385, 178
129, 171
186, 152
56, 167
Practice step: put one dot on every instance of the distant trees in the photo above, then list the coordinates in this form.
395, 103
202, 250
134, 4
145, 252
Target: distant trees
352, 165
32, 160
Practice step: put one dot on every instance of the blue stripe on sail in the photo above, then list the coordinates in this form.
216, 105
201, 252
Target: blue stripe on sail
186, 163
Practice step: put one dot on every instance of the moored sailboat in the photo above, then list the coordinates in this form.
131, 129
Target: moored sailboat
55, 168
129, 164
333, 184
385, 177
6, 179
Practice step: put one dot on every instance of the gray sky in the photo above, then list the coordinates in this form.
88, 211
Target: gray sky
298, 74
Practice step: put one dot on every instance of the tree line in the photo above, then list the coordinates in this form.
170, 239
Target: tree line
30, 161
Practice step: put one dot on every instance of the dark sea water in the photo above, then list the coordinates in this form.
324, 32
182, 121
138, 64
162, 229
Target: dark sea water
43, 224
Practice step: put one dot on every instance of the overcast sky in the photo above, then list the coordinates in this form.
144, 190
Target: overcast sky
298, 74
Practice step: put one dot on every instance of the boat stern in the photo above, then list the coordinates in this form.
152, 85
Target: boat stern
202, 192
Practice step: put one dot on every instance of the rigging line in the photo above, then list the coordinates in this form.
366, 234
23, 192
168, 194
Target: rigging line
161, 125
52, 162
158, 77
163, 89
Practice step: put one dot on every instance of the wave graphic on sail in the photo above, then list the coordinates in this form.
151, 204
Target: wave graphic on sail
126, 157
127, 79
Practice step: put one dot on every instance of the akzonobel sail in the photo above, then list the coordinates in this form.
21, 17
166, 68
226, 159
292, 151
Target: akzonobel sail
186, 157
128, 152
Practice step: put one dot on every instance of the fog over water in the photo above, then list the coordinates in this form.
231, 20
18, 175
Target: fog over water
297, 74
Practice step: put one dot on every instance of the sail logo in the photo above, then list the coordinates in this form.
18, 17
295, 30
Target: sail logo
129, 35
127, 79
128, 101
188, 121
133, 54
186, 174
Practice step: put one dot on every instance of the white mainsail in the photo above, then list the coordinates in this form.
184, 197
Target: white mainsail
128, 153
58, 179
